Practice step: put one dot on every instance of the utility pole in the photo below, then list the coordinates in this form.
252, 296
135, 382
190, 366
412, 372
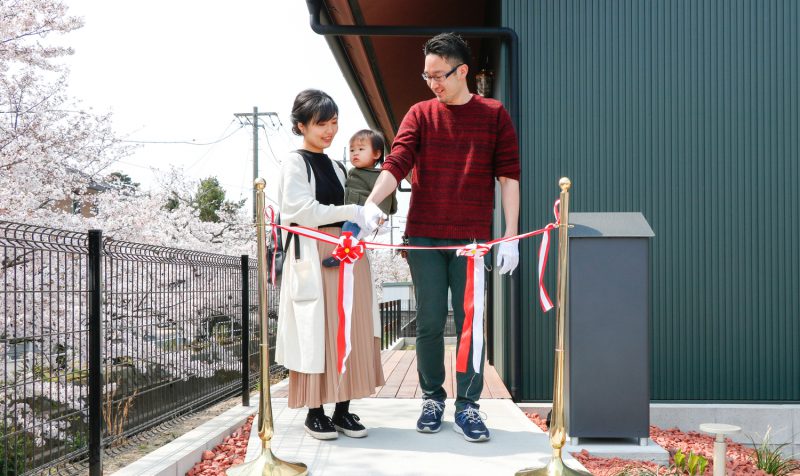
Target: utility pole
252, 118
391, 229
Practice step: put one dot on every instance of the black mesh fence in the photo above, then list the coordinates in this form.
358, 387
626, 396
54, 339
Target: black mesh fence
43, 343
171, 340
399, 319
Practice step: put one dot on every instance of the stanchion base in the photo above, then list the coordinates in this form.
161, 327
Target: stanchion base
267, 464
555, 467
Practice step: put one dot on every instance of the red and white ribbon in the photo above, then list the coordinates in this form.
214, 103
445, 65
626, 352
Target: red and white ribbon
544, 249
472, 328
544, 299
347, 251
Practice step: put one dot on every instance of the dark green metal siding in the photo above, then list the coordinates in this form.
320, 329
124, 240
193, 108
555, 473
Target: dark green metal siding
688, 111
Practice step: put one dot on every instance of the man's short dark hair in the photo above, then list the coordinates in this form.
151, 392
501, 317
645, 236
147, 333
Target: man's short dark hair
449, 46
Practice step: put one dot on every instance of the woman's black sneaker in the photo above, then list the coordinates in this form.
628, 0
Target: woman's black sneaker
320, 427
348, 423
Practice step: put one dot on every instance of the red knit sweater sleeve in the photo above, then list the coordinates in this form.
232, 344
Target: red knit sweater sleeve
405, 147
506, 151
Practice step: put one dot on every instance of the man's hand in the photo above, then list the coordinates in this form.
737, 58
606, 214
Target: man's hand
369, 217
508, 256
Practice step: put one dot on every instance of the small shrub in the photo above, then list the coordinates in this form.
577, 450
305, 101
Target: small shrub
15, 448
770, 459
682, 465
115, 416
690, 464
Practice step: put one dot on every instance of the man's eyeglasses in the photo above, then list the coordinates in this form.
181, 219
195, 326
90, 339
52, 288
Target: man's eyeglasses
440, 77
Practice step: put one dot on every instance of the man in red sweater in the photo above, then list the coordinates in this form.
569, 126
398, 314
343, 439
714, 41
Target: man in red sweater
455, 146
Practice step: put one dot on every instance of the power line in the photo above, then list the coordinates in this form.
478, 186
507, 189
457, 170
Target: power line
274, 157
184, 142
208, 151
272, 126
289, 137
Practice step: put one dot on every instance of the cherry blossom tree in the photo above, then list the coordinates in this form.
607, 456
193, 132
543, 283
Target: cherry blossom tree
52, 149
388, 267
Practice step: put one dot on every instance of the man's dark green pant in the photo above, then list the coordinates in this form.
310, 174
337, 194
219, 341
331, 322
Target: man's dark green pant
433, 273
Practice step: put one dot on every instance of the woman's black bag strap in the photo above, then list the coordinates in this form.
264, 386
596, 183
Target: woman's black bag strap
341, 166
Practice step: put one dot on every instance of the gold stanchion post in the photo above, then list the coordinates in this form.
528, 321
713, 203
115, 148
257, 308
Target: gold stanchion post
558, 432
267, 463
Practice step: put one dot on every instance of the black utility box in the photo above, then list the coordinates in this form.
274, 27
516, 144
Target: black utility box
607, 368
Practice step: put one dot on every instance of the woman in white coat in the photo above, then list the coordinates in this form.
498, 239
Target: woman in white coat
313, 196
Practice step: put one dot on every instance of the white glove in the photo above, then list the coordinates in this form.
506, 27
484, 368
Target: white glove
381, 230
371, 216
358, 219
362, 235
508, 256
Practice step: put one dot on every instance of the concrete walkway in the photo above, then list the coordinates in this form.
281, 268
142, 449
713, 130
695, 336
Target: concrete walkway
393, 447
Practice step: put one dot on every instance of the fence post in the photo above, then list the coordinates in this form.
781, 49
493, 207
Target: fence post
389, 325
396, 312
390, 313
245, 330
383, 326
95, 284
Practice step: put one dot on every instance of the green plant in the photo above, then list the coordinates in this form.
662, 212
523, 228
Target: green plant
79, 440
81, 377
15, 448
770, 459
691, 464
682, 465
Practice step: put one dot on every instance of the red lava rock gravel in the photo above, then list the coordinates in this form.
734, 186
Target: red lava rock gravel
738, 462
233, 449
538, 421
230, 452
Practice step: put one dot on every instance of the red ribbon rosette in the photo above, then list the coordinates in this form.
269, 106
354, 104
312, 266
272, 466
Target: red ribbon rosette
349, 249
474, 250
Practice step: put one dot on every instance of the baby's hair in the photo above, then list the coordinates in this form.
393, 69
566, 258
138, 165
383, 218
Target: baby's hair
374, 138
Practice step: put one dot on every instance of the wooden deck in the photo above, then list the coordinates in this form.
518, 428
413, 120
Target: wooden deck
402, 380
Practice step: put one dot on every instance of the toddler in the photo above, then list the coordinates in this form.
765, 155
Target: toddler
366, 150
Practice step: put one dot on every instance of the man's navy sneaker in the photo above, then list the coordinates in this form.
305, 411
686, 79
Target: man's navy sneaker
469, 423
430, 421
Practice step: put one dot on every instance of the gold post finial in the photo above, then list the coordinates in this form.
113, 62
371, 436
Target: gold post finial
565, 183
259, 184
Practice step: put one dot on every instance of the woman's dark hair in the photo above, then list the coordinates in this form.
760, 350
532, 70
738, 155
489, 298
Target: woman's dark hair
449, 46
312, 106
374, 138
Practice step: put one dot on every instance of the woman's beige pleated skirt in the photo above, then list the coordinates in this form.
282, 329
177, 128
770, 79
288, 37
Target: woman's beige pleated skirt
364, 371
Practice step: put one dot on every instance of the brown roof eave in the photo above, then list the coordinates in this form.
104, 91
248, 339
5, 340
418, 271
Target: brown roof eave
352, 82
